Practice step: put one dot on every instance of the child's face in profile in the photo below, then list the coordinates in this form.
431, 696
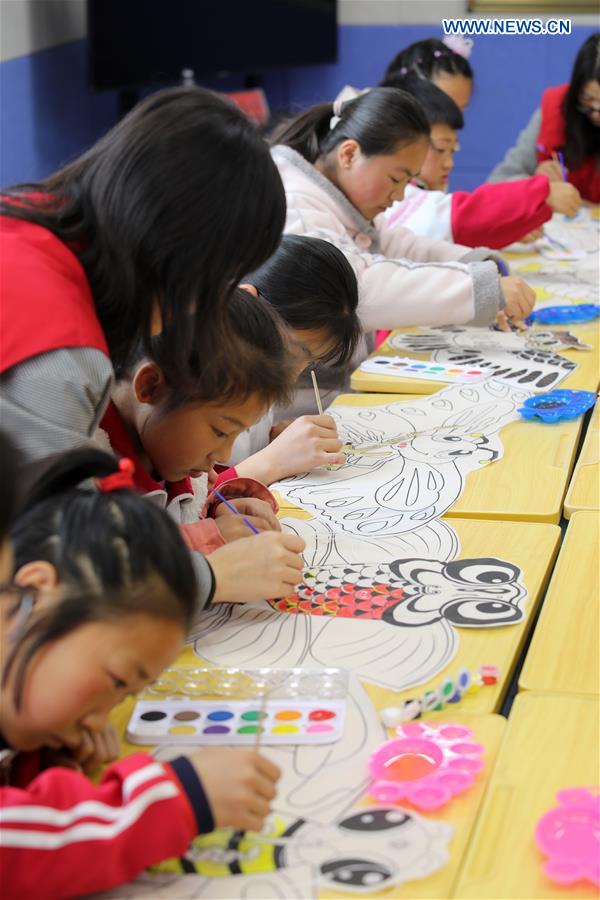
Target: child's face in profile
589, 102
190, 439
373, 183
439, 161
457, 87
72, 683
307, 346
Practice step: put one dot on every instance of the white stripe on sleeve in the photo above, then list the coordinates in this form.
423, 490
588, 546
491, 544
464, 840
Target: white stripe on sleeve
90, 831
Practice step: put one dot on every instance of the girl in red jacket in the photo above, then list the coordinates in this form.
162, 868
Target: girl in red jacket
567, 123
103, 593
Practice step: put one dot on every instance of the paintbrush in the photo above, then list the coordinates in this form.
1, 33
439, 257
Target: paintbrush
234, 510
316, 389
334, 466
399, 438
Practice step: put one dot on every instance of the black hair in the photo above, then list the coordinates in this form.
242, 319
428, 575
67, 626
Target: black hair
440, 109
9, 495
251, 359
311, 284
582, 139
115, 554
380, 121
170, 207
427, 58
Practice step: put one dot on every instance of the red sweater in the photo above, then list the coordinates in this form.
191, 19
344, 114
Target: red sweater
46, 299
63, 836
495, 215
552, 138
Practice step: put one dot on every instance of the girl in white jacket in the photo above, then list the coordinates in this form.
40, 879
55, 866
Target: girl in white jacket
342, 167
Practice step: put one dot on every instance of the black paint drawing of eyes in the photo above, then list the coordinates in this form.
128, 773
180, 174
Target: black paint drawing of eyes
480, 612
486, 570
357, 873
375, 820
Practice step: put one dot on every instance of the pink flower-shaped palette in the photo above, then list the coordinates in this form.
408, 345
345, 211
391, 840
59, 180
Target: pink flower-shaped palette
569, 834
426, 765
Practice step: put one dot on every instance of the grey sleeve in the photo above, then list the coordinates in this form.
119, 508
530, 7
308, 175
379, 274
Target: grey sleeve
205, 581
486, 292
520, 161
53, 402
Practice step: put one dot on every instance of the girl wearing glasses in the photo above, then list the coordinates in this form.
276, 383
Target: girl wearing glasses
568, 124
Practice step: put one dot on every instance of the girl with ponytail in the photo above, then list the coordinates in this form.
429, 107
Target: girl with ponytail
342, 166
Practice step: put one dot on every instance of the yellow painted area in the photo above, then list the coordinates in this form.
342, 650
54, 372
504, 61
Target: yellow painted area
182, 729
285, 729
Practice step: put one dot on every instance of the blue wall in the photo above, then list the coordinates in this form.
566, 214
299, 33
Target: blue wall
50, 115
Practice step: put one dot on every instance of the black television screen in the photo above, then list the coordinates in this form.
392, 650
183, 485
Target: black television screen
139, 42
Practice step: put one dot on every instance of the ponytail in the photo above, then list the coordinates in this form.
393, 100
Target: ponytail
429, 59
380, 121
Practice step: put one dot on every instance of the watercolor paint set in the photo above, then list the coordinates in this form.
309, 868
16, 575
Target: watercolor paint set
399, 367
205, 707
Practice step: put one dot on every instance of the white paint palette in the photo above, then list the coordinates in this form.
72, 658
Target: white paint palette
405, 367
241, 707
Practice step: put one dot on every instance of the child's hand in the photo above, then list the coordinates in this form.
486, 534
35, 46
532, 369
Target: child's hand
563, 198
532, 236
239, 785
550, 168
505, 325
263, 566
309, 442
97, 748
257, 511
519, 299
306, 443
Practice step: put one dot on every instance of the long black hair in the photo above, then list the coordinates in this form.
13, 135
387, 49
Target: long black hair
251, 359
171, 207
9, 475
439, 108
115, 554
582, 138
380, 121
428, 59
311, 284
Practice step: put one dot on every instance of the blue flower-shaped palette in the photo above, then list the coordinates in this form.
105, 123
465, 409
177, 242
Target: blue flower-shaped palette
557, 405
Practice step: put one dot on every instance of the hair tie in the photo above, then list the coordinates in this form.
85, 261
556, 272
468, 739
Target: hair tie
122, 479
403, 71
460, 45
437, 53
337, 113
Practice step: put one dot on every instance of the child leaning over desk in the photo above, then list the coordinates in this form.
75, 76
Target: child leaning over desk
103, 593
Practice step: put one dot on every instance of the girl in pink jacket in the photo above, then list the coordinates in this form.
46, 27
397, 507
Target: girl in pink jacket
342, 168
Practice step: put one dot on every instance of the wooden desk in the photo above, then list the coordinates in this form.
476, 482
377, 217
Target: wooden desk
551, 743
564, 656
531, 546
584, 488
528, 484
585, 378
461, 812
